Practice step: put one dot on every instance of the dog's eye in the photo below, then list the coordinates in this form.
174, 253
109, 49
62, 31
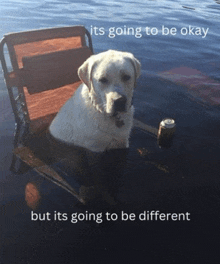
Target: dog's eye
126, 77
103, 80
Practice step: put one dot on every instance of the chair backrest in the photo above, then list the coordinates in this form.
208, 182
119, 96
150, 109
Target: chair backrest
44, 70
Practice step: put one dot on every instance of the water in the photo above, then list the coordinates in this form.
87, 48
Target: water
180, 79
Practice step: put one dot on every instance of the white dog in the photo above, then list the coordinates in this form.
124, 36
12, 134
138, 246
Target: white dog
99, 116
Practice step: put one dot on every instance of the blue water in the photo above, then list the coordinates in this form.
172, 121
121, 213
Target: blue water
192, 181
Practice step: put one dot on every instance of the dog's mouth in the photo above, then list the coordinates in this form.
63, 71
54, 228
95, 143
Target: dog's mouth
116, 114
117, 119
122, 107
116, 107
120, 104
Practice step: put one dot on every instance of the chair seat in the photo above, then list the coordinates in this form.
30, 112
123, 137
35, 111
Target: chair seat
44, 106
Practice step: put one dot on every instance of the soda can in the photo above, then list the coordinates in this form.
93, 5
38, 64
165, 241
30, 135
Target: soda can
166, 132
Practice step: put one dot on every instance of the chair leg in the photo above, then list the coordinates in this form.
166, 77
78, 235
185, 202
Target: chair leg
19, 137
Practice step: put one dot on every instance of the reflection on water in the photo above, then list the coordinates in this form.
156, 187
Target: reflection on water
32, 195
198, 84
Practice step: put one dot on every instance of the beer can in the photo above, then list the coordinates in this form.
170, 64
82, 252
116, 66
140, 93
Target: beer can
166, 132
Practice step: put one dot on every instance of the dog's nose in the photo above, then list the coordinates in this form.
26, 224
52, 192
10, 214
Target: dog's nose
120, 104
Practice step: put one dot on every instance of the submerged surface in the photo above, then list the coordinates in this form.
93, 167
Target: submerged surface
180, 79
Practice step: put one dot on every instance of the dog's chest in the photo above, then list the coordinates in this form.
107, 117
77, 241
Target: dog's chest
119, 123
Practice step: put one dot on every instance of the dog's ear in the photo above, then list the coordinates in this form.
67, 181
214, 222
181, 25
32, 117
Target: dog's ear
136, 64
85, 72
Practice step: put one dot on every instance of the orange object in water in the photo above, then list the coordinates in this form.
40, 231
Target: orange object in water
32, 195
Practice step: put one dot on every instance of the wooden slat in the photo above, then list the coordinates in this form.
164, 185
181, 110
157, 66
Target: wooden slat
145, 127
43, 34
42, 107
48, 102
41, 124
53, 70
46, 46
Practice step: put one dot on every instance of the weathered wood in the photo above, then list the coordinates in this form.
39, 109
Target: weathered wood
145, 127
43, 106
46, 46
42, 34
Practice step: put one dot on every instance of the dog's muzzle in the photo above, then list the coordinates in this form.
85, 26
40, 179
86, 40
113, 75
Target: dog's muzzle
119, 104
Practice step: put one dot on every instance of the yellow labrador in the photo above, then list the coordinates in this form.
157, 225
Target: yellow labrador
99, 116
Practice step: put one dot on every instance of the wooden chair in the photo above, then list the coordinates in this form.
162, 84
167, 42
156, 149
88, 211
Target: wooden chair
40, 76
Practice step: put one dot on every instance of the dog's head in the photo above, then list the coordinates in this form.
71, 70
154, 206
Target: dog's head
110, 77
